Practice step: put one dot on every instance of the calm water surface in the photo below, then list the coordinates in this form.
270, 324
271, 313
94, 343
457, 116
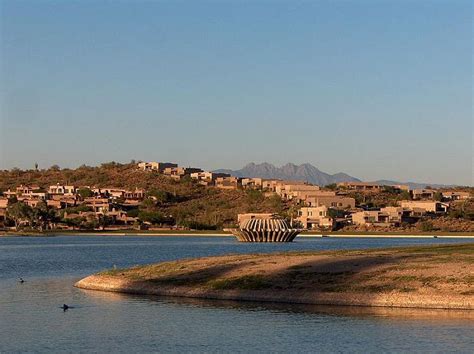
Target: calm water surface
31, 320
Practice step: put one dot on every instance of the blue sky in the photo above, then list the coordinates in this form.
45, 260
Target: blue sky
377, 89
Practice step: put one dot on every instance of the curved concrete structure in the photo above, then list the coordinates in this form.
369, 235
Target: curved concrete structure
268, 229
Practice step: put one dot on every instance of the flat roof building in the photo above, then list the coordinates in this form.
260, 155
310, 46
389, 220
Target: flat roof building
315, 217
427, 206
156, 166
336, 202
361, 186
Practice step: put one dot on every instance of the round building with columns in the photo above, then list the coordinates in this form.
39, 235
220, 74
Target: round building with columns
264, 228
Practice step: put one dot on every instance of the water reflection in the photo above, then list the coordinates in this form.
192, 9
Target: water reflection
440, 316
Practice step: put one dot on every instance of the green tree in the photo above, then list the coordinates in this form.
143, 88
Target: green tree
335, 213
104, 221
389, 189
147, 204
160, 195
19, 212
254, 196
426, 226
331, 186
74, 222
85, 192
153, 217
438, 196
133, 213
292, 213
75, 210
91, 224
276, 203
42, 215
404, 195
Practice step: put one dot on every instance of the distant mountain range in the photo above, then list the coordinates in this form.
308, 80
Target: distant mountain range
306, 172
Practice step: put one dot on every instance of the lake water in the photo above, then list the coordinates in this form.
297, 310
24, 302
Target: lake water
31, 320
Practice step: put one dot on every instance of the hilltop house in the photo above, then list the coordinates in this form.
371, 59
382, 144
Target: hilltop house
252, 183
228, 182
423, 193
289, 190
26, 190
303, 196
361, 186
177, 173
62, 189
156, 166
456, 195
207, 178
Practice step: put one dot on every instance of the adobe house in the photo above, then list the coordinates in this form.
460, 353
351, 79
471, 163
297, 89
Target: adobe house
361, 186
425, 206
456, 195
315, 217
228, 182
156, 166
62, 189
336, 202
423, 193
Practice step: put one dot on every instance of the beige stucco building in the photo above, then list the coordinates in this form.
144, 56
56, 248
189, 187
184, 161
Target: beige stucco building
228, 182
384, 216
424, 206
290, 190
361, 186
3, 203
179, 172
315, 217
207, 178
252, 183
336, 202
456, 195
423, 193
62, 189
156, 166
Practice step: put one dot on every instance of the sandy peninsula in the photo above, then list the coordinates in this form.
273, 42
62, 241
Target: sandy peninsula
416, 277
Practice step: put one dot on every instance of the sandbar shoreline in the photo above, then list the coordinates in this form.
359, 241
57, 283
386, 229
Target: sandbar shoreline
432, 277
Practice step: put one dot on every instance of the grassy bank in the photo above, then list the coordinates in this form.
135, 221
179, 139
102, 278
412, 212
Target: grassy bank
425, 277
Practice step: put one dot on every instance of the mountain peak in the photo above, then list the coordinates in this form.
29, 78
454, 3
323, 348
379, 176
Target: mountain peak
290, 171
308, 173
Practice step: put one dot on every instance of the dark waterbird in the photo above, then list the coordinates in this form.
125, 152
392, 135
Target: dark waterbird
65, 307
21, 281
